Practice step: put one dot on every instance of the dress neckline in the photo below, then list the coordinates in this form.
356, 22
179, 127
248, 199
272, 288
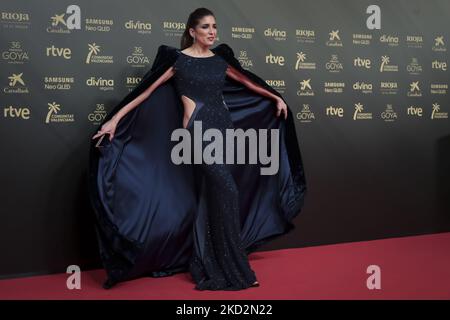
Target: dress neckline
197, 57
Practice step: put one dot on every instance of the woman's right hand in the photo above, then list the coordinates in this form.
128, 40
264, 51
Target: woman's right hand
108, 128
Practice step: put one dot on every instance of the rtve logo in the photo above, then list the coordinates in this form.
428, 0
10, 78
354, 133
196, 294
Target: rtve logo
272, 59
439, 65
362, 62
16, 112
53, 51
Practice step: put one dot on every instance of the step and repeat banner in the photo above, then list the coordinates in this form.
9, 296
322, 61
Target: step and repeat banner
367, 82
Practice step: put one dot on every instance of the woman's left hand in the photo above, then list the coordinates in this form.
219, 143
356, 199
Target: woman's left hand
281, 107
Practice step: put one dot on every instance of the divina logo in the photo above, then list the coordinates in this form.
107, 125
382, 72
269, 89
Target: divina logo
275, 34
140, 27
363, 87
213, 153
389, 40
102, 84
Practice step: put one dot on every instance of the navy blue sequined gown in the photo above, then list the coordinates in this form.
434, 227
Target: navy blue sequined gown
219, 260
155, 217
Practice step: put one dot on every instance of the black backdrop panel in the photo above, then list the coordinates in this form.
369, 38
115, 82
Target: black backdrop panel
372, 124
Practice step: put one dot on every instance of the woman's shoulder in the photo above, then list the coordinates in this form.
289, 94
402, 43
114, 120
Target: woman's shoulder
223, 49
165, 48
220, 48
165, 53
171, 53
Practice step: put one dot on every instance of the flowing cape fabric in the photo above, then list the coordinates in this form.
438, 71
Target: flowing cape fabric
146, 206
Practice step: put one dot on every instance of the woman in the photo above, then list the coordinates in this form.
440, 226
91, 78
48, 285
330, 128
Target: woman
156, 218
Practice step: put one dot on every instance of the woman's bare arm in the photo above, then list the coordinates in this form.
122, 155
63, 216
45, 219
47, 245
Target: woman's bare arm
144, 95
238, 76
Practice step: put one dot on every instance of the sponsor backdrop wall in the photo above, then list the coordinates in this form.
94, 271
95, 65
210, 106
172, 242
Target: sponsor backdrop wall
366, 80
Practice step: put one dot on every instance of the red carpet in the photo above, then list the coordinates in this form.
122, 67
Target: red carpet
411, 268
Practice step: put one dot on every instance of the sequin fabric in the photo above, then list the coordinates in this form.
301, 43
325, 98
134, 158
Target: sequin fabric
219, 260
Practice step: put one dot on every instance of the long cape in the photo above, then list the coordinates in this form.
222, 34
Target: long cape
145, 206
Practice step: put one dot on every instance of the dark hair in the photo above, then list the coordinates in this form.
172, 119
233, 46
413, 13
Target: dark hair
193, 20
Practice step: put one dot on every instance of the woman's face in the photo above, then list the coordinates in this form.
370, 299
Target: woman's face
205, 32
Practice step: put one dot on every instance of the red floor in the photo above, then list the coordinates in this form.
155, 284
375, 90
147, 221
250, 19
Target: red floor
411, 268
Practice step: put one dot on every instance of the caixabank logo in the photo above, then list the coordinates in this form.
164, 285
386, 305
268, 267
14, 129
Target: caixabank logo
305, 88
439, 44
65, 22
334, 39
414, 89
16, 84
